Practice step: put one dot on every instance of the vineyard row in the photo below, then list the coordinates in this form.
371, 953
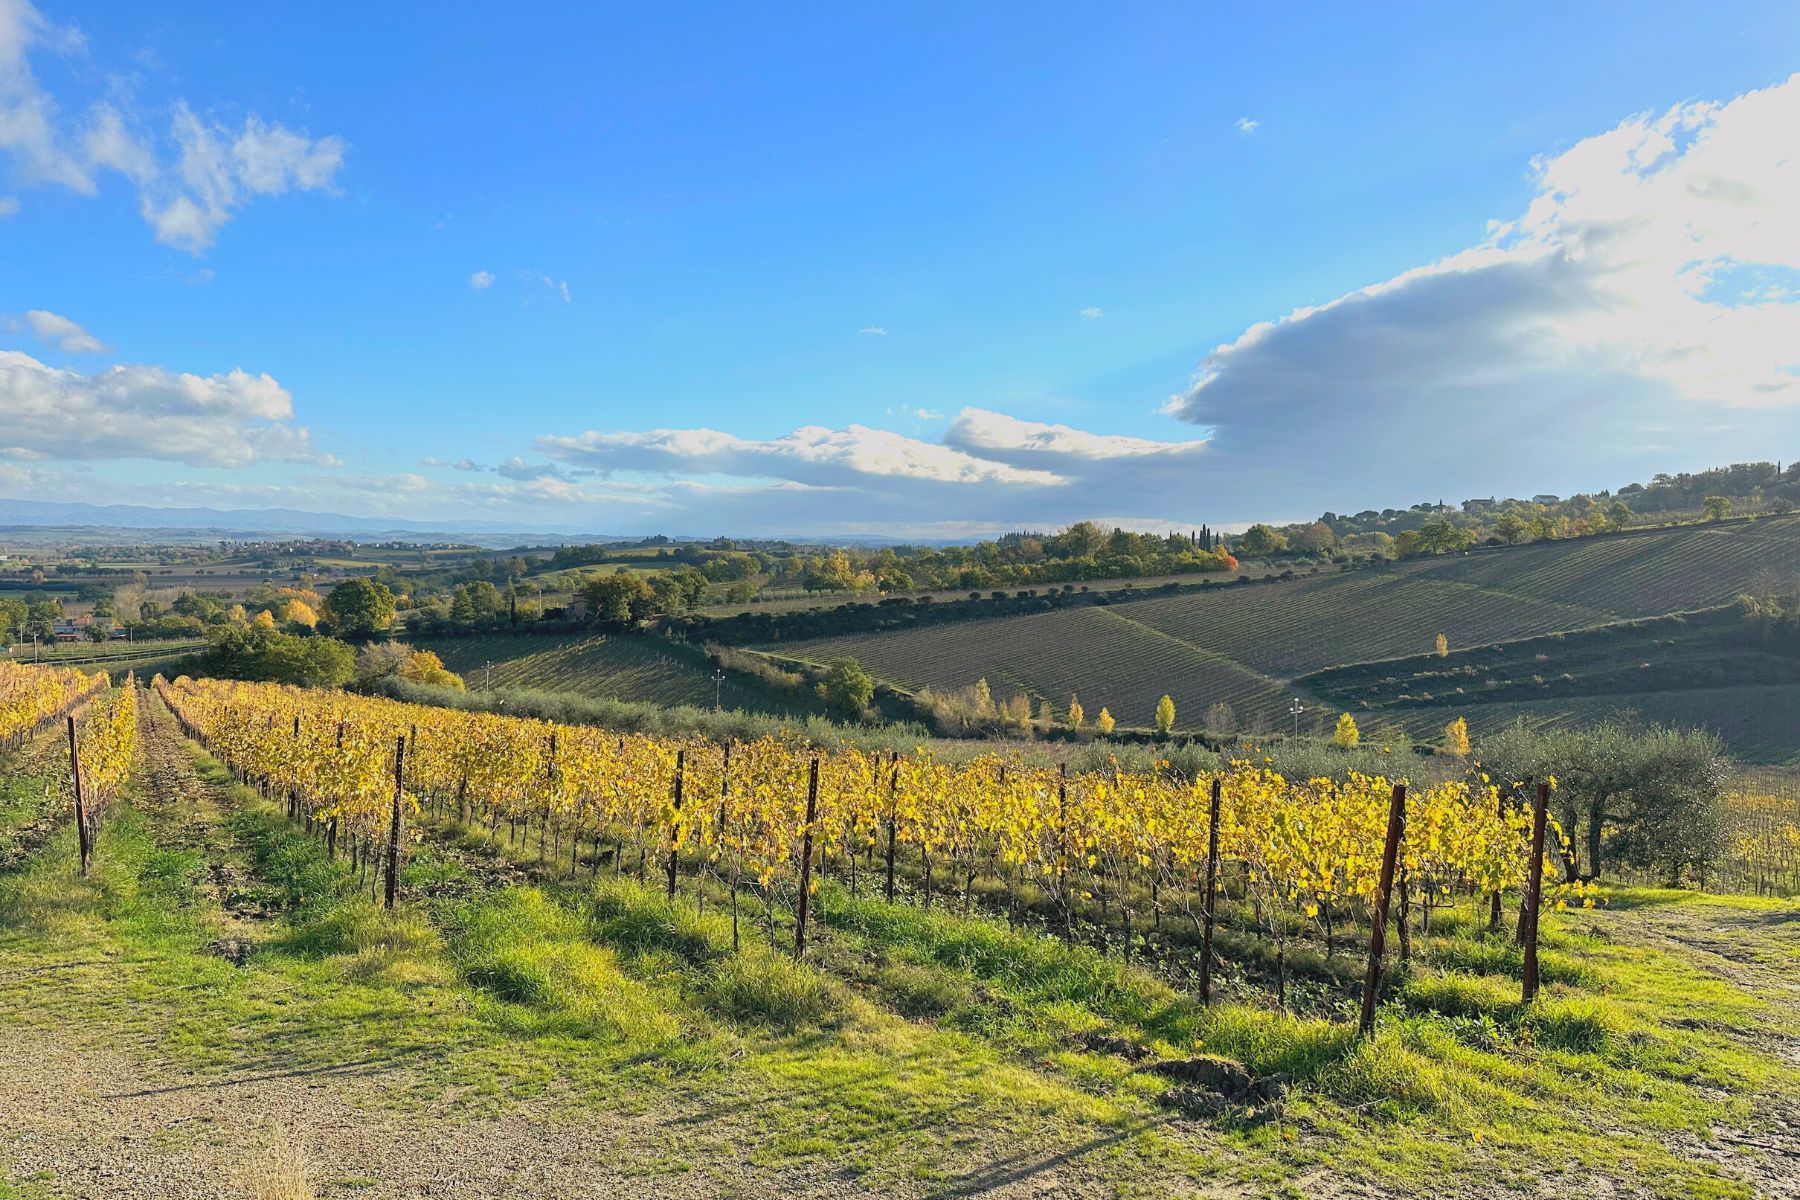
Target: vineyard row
776, 815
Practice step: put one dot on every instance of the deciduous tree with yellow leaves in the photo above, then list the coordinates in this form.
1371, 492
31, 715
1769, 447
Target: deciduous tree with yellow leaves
1165, 716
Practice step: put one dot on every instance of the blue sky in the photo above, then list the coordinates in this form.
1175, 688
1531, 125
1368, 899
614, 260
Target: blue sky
922, 270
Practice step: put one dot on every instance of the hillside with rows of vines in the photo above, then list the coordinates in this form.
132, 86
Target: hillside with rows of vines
1704, 670
1256, 645
604, 667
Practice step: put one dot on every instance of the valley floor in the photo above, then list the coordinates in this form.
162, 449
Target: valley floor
187, 1022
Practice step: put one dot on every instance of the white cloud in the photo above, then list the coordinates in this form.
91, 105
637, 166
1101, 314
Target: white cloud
1013, 472
62, 333
1247, 125
433, 461
9, 207
231, 419
812, 455
1092, 314
1638, 316
517, 468
1009, 439
216, 169
481, 279
873, 331
29, 117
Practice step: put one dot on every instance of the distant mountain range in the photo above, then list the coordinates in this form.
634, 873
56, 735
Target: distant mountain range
79, 522
262, 522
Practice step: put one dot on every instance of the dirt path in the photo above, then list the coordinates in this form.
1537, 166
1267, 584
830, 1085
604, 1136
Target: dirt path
1758, 951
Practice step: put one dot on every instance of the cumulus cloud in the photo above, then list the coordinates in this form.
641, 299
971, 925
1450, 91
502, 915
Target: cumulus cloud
9, 207
231, 419
1639, 315
481, 279
1247, 125
62, 333
997, 436
517, 468
873, 331
813, 455
991, 469
1091, 313
190, 181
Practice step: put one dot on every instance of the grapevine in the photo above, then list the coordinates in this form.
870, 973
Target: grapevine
1304, 849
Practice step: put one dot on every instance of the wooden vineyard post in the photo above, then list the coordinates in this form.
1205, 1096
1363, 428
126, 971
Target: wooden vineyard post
1534, 889
675, 818
893, 823
1206, 899
393, 847
293, 794
724, 794
803, 905
81, 825
1396, 829
1494, 900
1062, 853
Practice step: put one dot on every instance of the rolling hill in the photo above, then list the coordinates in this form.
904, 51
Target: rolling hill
613, 668
1257, 644
1703, 669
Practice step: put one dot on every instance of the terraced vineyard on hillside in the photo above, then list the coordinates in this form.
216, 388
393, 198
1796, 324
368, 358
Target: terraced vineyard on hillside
1704, 670
1758, 723
613, 668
